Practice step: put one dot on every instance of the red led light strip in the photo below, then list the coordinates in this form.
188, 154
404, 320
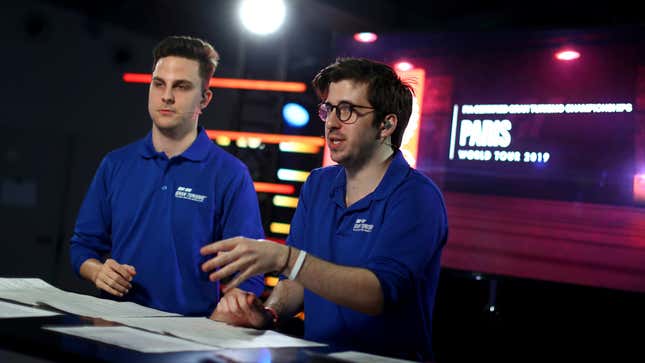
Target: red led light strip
235, 83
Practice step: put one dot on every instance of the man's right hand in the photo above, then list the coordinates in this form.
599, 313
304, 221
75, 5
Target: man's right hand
110, 276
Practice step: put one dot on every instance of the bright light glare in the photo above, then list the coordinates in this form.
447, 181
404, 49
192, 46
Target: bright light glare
567, 55
262, 16
403, 66
292, 175
295, 115
365, 37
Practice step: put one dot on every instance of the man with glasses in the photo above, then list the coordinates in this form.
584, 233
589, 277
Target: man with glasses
364, 248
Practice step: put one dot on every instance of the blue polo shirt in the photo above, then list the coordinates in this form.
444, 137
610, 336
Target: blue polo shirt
397, 232
155, 213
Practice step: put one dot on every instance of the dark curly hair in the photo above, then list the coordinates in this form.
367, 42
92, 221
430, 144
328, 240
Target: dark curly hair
386, 92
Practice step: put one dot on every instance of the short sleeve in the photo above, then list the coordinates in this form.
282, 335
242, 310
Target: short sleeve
414, 230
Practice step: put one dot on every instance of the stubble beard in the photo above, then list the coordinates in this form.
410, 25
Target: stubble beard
175, 129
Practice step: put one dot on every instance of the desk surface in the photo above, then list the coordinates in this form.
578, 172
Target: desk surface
26, 336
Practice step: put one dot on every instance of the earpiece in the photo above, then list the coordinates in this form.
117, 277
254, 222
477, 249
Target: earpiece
388, 123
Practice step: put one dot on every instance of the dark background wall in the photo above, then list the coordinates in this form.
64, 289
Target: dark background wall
66, 106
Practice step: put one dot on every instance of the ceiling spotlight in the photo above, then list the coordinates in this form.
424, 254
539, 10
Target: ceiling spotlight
567, 55
365, 37
262, 17
403, 66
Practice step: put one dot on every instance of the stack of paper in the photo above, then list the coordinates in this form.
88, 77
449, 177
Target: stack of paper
156, 331
9, 310
37, 292
130, 338
215, 333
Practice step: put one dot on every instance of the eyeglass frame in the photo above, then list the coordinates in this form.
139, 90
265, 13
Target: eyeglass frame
352, 110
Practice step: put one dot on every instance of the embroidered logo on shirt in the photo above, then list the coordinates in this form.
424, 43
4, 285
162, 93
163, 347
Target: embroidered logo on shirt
186, 193
361, 226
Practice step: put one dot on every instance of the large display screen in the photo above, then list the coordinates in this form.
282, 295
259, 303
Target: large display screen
527, 124
541, 160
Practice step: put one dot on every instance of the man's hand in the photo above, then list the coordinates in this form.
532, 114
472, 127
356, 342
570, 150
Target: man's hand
241, 308
113, 277
247, 256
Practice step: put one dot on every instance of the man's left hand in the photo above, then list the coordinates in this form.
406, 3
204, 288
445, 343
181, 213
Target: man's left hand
241, 308
247, 256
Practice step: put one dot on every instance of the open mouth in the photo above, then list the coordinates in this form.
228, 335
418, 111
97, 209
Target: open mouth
334, 140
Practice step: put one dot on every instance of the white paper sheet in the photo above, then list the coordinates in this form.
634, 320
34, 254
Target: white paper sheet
9, 310
358, 357
130, 338
16, 283
215, 333
38, 292
25, 290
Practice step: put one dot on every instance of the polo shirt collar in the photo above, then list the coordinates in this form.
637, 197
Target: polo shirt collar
395, 175
147, 149
197, 151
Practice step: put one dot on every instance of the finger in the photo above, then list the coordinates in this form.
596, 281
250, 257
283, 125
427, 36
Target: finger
109, 281
123, 271
222, 259
223, 245
120, 269
251, 299
234, 306
131, 269
101, 285
239, 279
255, 303
218, 316
243, 302
226, 271
223, 307
118, 280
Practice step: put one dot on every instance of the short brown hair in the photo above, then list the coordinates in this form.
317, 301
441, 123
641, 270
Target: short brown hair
191, 48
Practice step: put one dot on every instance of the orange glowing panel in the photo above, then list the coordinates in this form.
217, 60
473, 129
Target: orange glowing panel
285, 201
262, 187
267, 138
639, 188
258, 85
298, 147
235, 83
409, 145
280, 228
271, 281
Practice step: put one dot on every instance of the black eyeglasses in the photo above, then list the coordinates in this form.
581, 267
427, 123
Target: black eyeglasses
344, 111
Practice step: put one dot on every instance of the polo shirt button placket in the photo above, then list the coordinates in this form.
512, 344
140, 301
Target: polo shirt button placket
164, 187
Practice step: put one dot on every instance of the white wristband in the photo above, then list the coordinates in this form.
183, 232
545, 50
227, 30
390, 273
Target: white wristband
296, 267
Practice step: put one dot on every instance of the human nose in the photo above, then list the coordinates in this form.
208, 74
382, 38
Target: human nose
167, 96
